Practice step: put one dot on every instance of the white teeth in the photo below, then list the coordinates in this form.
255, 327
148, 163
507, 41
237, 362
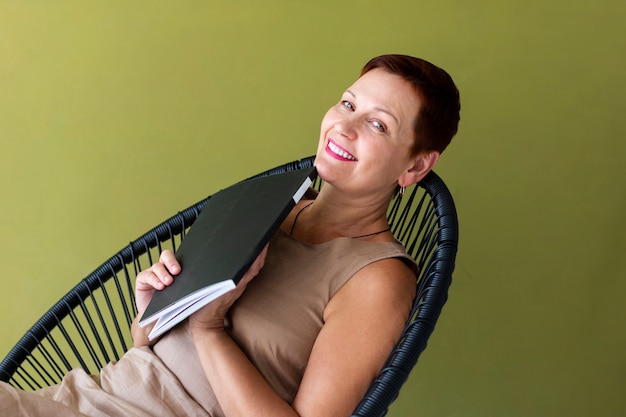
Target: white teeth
340, 152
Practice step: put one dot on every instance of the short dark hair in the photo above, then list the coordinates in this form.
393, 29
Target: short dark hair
438, 117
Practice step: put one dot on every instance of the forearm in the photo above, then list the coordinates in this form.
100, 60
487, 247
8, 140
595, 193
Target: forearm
239, 387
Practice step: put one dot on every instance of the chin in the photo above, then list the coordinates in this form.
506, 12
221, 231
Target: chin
328, 170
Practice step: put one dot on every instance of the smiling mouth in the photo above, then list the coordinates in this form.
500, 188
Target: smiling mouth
339, 151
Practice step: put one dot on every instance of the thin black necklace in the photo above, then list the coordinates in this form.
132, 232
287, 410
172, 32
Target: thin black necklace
293, 225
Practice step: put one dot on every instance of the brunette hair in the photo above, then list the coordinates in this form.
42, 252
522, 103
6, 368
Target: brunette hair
439, 114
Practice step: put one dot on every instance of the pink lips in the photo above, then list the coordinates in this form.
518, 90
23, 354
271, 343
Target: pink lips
338, 152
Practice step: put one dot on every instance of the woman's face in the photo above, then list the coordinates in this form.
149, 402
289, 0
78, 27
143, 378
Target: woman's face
366, 138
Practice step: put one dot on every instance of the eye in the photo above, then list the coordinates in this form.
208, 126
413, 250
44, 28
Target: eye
378, 125
347, 105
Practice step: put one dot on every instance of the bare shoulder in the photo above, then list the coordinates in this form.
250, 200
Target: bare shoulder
383, 288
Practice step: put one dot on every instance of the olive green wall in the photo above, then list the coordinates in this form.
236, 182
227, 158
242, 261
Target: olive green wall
113, 115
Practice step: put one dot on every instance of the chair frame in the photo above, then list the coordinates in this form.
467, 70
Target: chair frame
90, 325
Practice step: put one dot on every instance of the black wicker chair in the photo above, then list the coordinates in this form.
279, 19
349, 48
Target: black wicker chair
89, 326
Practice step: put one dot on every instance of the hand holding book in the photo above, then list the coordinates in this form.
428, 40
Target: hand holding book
157, 277
213, 314
163, 273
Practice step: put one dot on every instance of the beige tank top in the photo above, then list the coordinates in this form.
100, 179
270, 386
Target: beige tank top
278, 318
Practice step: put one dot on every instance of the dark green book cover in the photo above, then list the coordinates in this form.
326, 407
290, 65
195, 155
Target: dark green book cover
228, 235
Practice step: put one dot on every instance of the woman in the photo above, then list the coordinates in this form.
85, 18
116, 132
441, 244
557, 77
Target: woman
297, 339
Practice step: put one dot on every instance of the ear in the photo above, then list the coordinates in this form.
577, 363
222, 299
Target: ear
421, 165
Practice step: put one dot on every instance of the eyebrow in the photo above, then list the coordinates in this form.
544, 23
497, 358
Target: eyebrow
378, 108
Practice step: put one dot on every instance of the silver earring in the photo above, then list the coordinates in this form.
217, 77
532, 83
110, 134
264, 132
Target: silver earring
402, 188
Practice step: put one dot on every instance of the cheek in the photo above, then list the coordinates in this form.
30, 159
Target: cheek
321, 144
327, 121
325, 126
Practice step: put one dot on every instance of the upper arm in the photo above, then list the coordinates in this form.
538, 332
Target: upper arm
362, 323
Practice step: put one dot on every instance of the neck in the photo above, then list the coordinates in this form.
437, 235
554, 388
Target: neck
332, 215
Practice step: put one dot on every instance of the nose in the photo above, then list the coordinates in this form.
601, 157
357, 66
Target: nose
346, 127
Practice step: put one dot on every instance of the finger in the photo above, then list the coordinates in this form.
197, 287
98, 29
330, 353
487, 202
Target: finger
168, 259
157, 276
161, 271
254, 269
258, 263
148, 280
